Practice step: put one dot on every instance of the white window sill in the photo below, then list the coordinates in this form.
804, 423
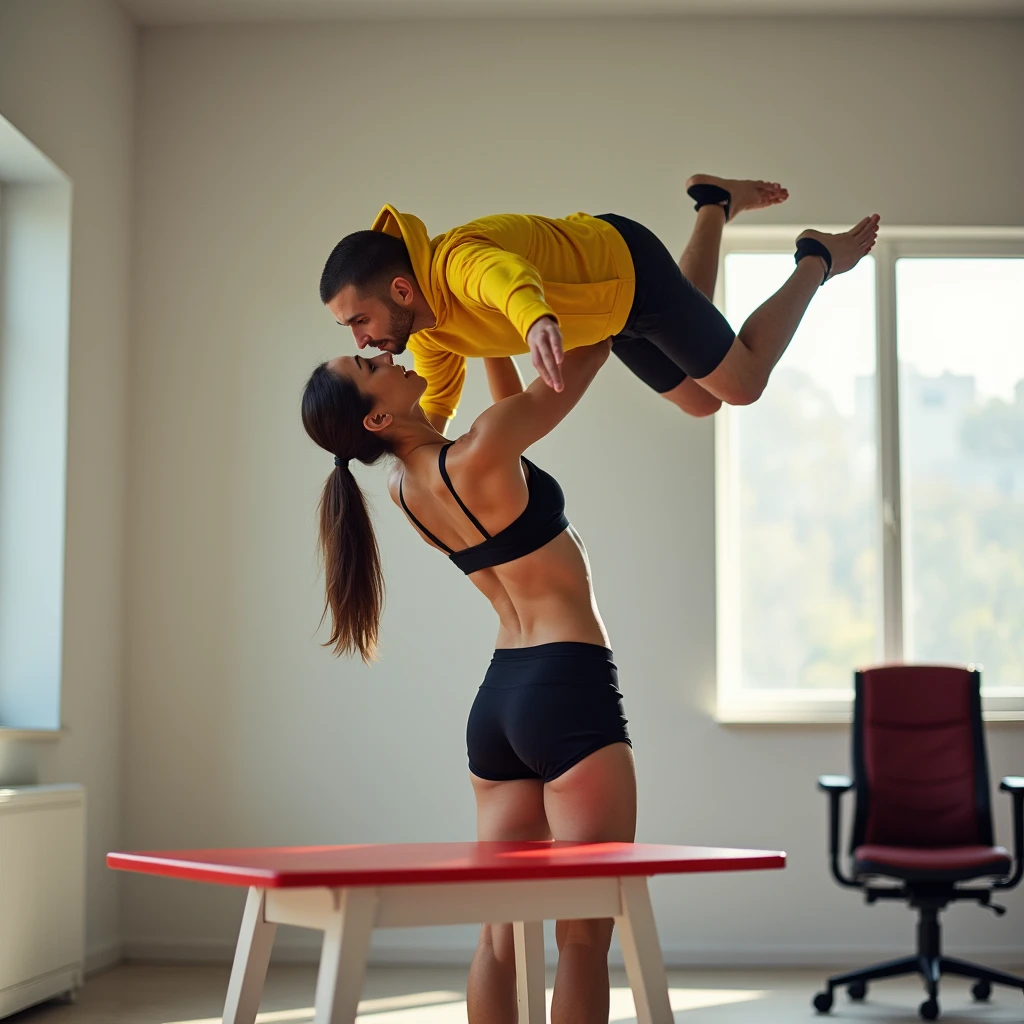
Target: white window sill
30, 735
781, 716
818, 716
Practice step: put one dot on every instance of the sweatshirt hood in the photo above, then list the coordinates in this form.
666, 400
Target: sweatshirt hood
413, 232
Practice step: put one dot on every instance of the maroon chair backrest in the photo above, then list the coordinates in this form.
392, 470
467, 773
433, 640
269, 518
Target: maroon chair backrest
919, 757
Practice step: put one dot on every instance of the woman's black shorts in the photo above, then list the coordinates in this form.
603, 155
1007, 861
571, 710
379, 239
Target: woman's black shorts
540, 710
673, 330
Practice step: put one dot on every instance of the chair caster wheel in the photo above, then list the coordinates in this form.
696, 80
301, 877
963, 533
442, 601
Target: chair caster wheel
823, 1002
857, 991
981, 991
929, 1009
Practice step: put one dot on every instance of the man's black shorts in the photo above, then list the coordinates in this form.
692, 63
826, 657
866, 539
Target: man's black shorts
673, 330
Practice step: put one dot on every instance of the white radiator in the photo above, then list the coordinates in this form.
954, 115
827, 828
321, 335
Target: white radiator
42, 894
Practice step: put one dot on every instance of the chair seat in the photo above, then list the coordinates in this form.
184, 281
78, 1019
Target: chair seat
938, 864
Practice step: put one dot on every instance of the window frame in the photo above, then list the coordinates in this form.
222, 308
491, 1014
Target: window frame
796, 705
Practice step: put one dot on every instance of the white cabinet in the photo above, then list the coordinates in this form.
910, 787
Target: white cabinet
42, 894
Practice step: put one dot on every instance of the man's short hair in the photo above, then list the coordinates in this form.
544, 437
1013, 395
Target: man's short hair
370, 260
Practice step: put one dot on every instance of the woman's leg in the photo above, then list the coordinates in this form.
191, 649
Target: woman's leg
594, 801
510, 811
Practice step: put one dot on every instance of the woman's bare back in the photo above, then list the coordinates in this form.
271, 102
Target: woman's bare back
545, 596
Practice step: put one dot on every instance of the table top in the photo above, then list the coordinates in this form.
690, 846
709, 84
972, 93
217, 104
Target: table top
436, 863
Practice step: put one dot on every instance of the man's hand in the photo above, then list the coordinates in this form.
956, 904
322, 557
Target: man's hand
545, 341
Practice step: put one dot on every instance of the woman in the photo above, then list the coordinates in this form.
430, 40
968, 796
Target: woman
549, 753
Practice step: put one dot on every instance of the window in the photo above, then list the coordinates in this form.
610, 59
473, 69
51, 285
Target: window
870, 505
35, 254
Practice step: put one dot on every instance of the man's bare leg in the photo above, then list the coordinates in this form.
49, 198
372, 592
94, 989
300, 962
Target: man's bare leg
699, 263
694, 400
742, 375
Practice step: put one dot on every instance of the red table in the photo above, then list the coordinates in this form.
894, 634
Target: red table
347, 891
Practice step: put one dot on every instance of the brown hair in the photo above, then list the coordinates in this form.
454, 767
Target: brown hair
333, 409
370, 260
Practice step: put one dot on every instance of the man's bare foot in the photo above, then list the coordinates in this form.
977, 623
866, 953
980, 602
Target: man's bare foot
746, 195
848, 247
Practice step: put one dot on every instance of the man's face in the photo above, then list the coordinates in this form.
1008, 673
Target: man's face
377, 322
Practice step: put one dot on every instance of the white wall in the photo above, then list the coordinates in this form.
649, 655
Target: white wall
258, 149
67, 76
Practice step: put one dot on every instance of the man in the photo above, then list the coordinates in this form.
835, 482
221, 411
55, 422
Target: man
511, 283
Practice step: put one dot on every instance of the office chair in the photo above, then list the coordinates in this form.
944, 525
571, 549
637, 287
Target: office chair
923, 823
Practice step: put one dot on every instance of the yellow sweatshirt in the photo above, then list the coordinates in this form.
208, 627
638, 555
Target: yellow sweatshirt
489, 281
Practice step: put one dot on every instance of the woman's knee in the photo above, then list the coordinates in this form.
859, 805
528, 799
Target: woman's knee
596, 934
498, 942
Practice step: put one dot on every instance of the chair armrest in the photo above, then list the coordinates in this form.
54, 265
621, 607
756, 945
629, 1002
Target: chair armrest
1014, 785
836, 786
837, 783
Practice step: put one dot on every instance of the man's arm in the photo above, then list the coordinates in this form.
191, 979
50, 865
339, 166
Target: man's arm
504, 281
503, 378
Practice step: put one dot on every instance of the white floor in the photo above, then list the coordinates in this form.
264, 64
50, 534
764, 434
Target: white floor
136, 994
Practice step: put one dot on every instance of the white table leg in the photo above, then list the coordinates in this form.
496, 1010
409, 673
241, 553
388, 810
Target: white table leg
343, 957
642, 953
252, 955
529, 943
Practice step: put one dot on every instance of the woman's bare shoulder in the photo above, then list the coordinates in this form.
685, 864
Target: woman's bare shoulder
395, 482
477, 445
483, 472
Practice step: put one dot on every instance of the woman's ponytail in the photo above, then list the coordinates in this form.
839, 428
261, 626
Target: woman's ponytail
333, 410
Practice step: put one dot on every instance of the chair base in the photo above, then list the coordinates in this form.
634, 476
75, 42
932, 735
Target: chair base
931, 969
929, 901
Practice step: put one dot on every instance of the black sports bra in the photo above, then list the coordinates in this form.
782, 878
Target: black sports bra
541, 521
